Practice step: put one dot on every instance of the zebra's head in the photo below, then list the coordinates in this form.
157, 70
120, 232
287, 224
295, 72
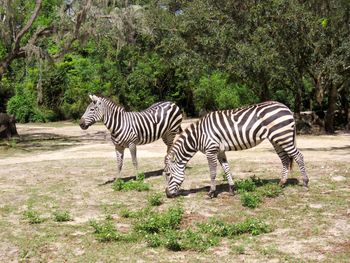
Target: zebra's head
93, 113
174, 172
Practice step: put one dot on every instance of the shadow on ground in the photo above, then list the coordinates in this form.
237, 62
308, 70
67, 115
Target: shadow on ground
221, 188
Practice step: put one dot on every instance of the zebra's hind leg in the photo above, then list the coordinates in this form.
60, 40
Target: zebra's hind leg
286, 160
212, 162
132, 148
119, 150
225, 166
299, 159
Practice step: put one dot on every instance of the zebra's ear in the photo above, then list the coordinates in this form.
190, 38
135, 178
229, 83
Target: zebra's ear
93, 98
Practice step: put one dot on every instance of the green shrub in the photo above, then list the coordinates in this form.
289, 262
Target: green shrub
61, 216
138, 184
247, 185
33, 217
105, 231
160, 222
270, 190
251, 200
155, 199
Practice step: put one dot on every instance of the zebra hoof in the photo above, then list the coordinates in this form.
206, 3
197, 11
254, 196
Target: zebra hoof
212, 194
231, 189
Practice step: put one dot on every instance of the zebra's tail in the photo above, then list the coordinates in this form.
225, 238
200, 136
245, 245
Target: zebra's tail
291, 159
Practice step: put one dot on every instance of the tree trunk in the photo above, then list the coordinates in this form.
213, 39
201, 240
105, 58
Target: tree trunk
7, 126
332, 99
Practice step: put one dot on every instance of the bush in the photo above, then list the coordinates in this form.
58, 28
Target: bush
105, 231
270, 190
160, 222
61, 216
251, 200
247, 185
138, 184
155, 199
33, 217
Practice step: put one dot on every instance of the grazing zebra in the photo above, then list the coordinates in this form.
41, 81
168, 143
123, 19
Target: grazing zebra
234, 130
128, 129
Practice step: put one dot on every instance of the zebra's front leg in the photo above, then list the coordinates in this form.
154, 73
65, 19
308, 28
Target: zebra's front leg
212, 161
119, 150
225, 166
132, 148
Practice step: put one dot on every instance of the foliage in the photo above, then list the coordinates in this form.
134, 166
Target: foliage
160, 222
203, 55
105, 231
253, 190
62, 216
251, 200
138, 184
33, 217
155, 199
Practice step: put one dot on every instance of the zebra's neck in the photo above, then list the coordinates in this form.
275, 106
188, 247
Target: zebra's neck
186, 145
113, 116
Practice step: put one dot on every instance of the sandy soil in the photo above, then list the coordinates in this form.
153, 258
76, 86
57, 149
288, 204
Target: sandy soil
47, 173
96, 142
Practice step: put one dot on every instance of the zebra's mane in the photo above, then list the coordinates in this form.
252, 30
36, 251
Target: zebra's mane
111, 103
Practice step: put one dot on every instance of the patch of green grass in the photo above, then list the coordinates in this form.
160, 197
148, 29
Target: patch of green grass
105, 231
33, 217
219, 228
270, 190
155, 199
138, 184
238, 249
160, 222
61, 216
251, 200
247, 185
253, 190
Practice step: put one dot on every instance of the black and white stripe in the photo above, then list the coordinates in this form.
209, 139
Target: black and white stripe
128, 129
234, 130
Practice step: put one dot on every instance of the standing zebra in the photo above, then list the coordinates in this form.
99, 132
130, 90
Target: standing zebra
234, 130
128, 129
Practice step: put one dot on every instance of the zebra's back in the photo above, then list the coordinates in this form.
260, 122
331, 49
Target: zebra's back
246, 127
154, 122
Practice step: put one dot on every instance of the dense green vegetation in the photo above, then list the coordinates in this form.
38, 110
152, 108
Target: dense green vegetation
203, 55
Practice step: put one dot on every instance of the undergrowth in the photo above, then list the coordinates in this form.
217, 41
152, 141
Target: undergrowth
253, 190
162, 229
138, 184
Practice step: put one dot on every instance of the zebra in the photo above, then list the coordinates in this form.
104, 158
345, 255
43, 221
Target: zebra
234, 130
128, 129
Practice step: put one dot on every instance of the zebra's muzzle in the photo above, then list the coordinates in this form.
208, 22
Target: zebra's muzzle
169, 194
82, 124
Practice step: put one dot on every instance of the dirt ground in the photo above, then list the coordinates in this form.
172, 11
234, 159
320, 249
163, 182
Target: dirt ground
58, 165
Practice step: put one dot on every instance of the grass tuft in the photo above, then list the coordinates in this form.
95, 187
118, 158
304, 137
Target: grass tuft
33, 217
62, 216
138, 184
251, 200
155, 199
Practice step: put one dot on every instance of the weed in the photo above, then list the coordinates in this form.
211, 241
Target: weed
251, 200
154, 240
238, 249
106, 231
196, 240
33, 217
172, 239
219, 228
138, 184
270, 190
155, 199
160, 222
247, 185
62, 216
